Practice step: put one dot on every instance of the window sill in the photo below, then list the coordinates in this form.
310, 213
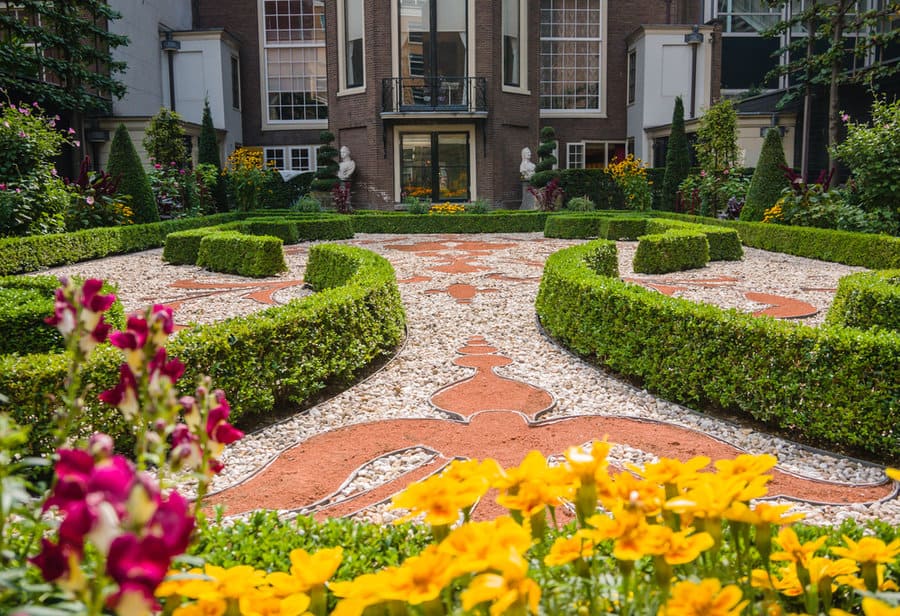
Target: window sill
564, 113
516, 90
351, 91
295, 125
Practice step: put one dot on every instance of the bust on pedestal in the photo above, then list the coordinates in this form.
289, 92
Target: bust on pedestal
526, 171
347, 165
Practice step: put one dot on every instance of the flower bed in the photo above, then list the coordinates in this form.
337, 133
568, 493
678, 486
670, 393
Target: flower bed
830, 385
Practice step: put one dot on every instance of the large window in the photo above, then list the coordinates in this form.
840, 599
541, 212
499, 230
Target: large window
632, 76
433, 50
292, 158
571, 47
512, 43
353, 43
294, 50
595, 154
435, 165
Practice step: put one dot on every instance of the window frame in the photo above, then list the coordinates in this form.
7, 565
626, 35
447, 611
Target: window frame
601, 110
522, 86
583, 146
344, 88
286, 154
235, 82
267, 124
631, 77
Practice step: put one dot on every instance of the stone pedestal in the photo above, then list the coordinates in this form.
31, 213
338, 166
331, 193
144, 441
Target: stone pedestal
528, 200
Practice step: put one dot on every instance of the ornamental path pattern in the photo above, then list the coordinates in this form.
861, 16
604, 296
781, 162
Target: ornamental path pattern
476, 378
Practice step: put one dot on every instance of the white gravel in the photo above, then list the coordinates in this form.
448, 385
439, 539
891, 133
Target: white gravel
438, 325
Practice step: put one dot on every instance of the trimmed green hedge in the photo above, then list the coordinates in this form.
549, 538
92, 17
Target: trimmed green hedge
869, 250
28, 254
181, 247
830, 385
866, 300
602, 258
282, 355
25, 301
623, 227
595, 184
724, 244
573, 226
232, 252
493, 222
672, 251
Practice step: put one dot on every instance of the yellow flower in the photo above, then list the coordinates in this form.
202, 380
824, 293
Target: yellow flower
586, 465
818, 568
203, 607
893, 473
532, 485
442, 500
670, 471
265, 604
421, 578
509, 593
794, 551
474, 545
706, 598
868, 550
874, 607
881, 585
567, 549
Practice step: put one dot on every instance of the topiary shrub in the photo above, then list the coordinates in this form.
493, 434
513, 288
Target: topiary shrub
326, 159
724, 244
233, 252
208, 154
768, 179
678, 160
673, 251
602, 258
125, 164
544, 170
181, 247
573, 227
866, 300
25, 301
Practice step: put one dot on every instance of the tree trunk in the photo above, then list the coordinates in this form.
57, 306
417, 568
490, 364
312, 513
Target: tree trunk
837, 42
807, 97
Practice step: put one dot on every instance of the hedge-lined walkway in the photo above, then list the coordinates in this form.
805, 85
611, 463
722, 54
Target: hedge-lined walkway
476, 378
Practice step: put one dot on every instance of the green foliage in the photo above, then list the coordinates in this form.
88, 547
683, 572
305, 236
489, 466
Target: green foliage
829, 385
596, 185
181, 247
283, 355
630, 175
710, 192
278, 193
573, 227
678, 159
25, 301
125, 164
672, 251
498, 221
623, 227
415, 205
544, 170
233, 252
208, 146
716, 145
864, 249
724, 244
327, 165
866, 300
872, 151
74, 40
812, 205
306, 204
264, 541
479, 206
27, 254
602, 258
164, 140
581, 204
768, 180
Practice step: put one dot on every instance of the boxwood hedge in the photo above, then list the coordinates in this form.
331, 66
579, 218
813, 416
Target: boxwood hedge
724, 244
282, 355
501, 221
869, 250
830, 385
867, 299
232, 252
672, 251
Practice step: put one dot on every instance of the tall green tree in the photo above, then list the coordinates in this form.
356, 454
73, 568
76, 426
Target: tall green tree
125, 164
823, 57
60, 53
768, 178
208, 146
678, 158
716, 145
164, 139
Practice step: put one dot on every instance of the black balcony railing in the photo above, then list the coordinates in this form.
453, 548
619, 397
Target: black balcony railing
434, 94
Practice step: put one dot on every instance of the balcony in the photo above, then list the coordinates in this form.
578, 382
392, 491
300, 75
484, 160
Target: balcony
436, 96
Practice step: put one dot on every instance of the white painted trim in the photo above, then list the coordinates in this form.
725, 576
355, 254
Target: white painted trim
436, 128
564, 113
343, 90
514, 90
522, 88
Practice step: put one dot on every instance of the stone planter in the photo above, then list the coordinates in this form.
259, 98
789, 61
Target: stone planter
528, 200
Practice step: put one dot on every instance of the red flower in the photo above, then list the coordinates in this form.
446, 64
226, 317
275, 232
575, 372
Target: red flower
124, 395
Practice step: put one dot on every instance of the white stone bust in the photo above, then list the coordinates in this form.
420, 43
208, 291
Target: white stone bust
526, 169
347, 165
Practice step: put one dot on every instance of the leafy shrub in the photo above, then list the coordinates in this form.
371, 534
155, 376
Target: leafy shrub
248, 179
306, 204
125, 164
182, 247
863, 249
544, 171
549, 197
176, 191
768, 180
829, 385
479, 206
866, 300
283, 355
872, 151
623, 228
678, 160
581, 204
164, 140
596, 185
246, 255
672, 251
709, 193
95, 202
631, 176
415, 205
25, 301
602, 258
724, 244
327, 165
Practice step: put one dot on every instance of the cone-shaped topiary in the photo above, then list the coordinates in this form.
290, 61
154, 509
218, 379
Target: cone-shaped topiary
209, 154
678, 158
327, 166
768, 178
543, 170
125, 163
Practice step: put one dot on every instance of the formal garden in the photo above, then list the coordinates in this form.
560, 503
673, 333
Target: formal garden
121, 423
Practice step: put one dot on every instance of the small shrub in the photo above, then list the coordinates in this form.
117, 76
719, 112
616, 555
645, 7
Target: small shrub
866, 300
327, 166
724, 244
125, 164
232, 252
673, 251
623, 228
631, 176
479, 206
550, 196
581, 204
247, 178
596, 185
678, 159
306, 204
95, 202
544, 170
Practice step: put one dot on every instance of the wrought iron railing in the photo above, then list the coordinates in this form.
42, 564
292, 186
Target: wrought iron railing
434, 94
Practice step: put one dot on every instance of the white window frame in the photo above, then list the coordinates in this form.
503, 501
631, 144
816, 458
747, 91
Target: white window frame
575, 155
265, 123
522, 88
602, 94
631, 81
436, 128
236, 82
575, 146
286, 153
343, 89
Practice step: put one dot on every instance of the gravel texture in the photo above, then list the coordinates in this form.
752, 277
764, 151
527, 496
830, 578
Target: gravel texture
438, 325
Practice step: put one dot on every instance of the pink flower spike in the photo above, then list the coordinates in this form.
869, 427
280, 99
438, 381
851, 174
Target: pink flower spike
34, 104
845, 117
160, 367
51, 561
124, 394
100, 445
134, 336
77, 143
91, 298
64, 314
89, 200
138, 566
71, 131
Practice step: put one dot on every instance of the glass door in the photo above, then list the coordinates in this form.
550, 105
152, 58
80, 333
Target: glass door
435, 166
433, 52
